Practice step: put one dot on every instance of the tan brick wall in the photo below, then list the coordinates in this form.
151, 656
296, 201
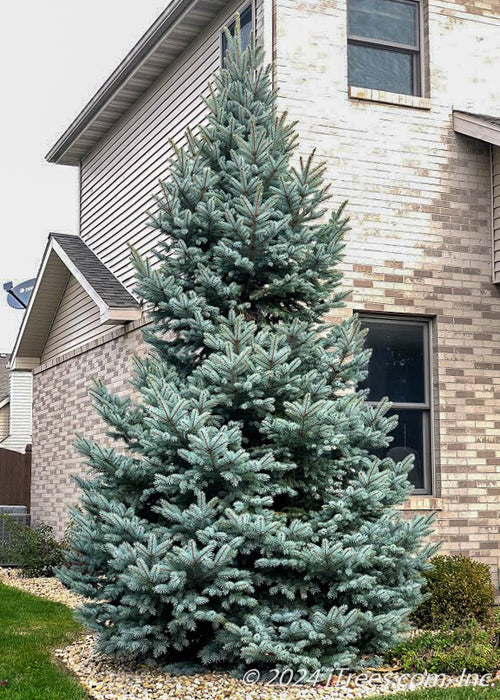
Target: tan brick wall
63, 408
419, 200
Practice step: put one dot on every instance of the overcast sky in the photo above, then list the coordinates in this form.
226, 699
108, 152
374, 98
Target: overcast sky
54, 55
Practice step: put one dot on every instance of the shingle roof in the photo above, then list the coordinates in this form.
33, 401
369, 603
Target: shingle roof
65, 256
4, 376
99, 277
485, 117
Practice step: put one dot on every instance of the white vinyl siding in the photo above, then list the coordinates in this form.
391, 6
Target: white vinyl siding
120, 175
76, 322
496, 212
4, 422
21, 399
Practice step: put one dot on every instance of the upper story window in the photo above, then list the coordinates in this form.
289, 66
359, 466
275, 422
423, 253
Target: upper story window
384, 45
246, 27
400, 369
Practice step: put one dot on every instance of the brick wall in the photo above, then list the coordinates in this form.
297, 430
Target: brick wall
419, 199
61, 409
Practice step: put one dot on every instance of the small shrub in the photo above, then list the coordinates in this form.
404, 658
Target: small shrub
458, 589
34, 550
473, 648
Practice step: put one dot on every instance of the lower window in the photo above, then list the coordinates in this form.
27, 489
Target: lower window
399, 368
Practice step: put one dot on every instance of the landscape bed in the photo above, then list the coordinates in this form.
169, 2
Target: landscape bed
32, 626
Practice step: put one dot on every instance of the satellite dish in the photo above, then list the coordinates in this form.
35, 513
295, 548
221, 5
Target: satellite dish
18, 296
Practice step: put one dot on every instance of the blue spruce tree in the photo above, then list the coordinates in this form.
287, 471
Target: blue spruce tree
243, 519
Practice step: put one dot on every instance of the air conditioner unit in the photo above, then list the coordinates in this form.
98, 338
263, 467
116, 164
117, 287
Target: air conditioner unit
19, 515
13, 510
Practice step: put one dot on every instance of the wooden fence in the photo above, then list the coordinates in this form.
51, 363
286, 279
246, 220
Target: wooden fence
15, 478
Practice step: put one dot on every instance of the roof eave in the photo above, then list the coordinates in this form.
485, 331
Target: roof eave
477, 127
108, 312
119, 76
13, 364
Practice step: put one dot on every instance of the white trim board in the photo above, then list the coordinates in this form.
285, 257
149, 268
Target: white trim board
50, 271
476, 127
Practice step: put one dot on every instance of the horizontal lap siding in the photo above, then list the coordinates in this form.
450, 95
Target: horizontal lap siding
21, 398
77, 321
20, 402
120, 176
496, 213
4, 422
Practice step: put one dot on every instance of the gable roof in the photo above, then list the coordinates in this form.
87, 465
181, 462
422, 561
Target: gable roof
480, 126
164, 41
74, 252
67, 255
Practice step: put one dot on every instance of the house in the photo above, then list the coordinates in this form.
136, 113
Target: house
401, 98
15, 406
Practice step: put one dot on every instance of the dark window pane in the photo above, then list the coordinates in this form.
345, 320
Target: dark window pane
381, 69
388, 20
409, 439
246, 27
397, 365
245, 31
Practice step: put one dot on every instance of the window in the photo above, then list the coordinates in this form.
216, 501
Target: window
246, 27
384, 45
400, 369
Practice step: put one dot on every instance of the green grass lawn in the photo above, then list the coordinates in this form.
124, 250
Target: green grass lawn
448, 694
30, 628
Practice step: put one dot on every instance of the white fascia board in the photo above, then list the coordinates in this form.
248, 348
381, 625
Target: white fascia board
174, 13
24, 363
81, 279
476, 128
124, 314
108, 314
27, 313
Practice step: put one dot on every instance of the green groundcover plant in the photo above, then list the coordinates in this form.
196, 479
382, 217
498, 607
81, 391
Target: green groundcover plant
242, 518
473, 648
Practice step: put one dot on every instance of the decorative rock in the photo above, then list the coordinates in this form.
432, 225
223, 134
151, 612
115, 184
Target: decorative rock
49, 588
104, 678
107, 679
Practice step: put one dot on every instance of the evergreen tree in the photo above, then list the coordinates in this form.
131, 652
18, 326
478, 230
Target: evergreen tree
242, 519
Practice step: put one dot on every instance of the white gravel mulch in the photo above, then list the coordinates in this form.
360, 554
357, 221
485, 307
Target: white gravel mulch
105, 679
49, 588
